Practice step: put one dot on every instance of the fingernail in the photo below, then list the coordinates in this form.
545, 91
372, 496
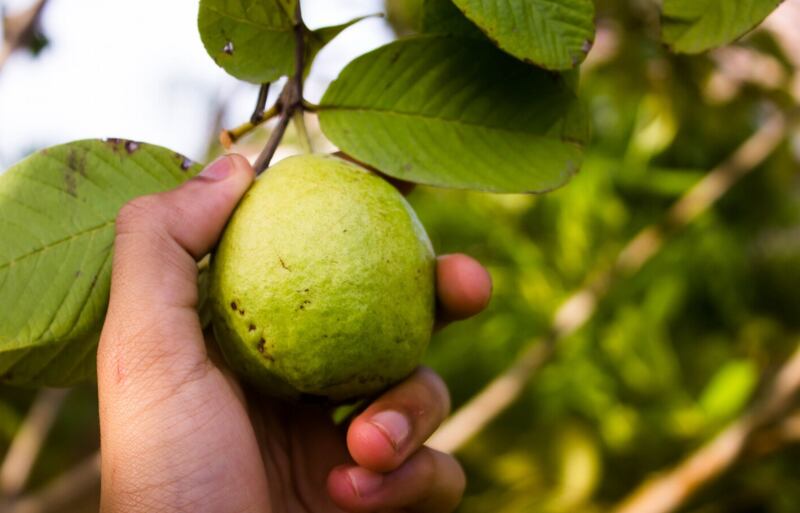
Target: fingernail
218, 170
363, 481
394, 425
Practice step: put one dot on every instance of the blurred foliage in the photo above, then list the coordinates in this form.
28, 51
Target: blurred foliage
673, 353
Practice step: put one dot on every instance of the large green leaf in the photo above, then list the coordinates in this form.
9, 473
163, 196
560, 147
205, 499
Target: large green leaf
57, 211
443, 17
253, 40
554, 34
693, 26
456, 112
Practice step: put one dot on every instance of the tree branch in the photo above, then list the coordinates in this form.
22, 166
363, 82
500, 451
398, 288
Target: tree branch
68, 487
261, 103
579, 308
228, 137
19, 29
669, 491
291, 98
28, 442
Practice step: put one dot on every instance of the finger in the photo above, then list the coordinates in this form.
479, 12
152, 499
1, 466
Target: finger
398, 423
154, 275
463, 286
429, 482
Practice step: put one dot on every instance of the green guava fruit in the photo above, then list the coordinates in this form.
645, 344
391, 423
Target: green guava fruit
322, 286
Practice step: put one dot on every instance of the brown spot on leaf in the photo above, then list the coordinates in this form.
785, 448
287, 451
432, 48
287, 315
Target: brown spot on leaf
131, 146
228, 48
75, 165
234, 306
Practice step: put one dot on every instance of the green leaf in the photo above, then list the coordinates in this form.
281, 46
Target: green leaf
553, 34
693, 26
253, 40
729, 390
443, 17
57, 212
456, 112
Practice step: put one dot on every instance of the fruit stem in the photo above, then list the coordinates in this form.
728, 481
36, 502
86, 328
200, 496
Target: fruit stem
291, 98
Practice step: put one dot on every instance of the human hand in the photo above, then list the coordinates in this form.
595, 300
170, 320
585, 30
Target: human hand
179, 433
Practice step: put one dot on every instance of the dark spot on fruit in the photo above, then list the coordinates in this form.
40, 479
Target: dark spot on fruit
234, 306
262, 348
241, 312
283, 264
252, 327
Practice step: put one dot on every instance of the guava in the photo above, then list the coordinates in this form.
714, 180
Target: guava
322, 285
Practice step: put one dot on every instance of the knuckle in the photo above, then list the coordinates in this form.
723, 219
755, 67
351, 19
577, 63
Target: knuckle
139, 214
447, 479
436, 388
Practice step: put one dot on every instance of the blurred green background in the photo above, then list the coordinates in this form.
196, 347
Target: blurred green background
674, 352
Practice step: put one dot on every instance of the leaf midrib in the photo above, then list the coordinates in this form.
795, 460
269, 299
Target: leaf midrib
323, 108
51, 245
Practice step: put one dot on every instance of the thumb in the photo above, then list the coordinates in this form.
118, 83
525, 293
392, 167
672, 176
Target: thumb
159, 237
154, 275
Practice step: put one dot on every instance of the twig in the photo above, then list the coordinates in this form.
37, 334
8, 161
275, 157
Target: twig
579, 308
19, 29
261, 103
68, 487
669, 491
291, 98
272, 144
228, 137
28, 442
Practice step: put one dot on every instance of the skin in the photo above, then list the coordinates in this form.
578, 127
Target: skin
179, 433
